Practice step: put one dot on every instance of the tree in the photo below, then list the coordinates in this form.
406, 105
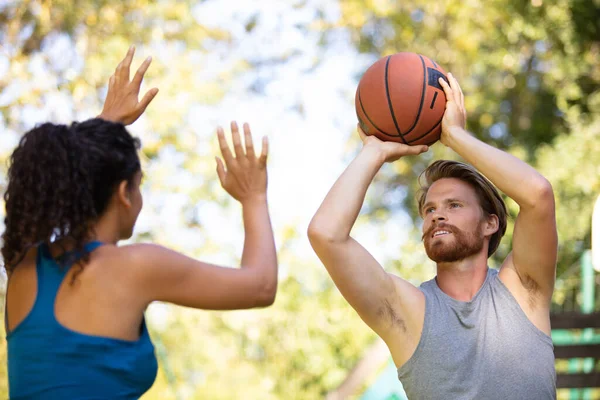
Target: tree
529, 70
524, 68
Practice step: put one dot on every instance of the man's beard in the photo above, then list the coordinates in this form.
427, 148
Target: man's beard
462, 245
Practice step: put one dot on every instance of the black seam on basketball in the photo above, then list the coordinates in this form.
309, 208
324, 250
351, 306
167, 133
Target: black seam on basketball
429, 131
367, 115
422, 96
389, 99
433, 101
434, 64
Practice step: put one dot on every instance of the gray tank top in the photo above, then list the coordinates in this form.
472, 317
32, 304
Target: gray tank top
482, 349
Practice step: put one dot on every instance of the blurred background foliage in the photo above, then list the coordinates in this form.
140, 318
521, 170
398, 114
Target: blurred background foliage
530, 71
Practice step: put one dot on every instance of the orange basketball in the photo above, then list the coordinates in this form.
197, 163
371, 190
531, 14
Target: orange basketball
400, 99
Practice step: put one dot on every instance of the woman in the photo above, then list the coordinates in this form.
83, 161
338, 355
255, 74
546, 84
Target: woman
75, 299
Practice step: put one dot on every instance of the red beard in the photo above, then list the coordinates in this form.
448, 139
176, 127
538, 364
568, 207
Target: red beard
456, 246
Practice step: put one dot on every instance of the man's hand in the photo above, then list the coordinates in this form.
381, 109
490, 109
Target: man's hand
455, 115
389, 151
121, 104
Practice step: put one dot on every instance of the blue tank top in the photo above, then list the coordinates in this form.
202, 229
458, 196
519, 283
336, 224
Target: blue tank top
49, 361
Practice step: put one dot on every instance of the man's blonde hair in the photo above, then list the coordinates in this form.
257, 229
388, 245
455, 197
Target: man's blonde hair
489, 199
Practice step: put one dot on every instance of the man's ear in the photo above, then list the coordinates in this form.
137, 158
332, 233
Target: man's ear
123, 195
492, 225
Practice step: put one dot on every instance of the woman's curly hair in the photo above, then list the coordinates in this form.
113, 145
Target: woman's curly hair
60, 181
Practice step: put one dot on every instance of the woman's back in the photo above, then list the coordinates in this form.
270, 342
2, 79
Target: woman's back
85, 339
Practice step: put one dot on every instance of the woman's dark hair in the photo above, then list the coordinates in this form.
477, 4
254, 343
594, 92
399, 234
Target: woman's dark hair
60, 180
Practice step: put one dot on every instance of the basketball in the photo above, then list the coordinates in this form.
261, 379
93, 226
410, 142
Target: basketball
400, 99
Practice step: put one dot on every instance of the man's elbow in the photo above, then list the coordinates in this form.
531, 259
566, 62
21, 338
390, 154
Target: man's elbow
542, 193
319, 234
539, 197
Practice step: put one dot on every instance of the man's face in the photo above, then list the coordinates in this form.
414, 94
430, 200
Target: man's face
453, 221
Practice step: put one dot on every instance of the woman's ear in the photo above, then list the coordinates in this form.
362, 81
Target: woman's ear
123, 195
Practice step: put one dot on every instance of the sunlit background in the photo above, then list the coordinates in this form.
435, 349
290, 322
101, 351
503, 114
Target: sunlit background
530, 71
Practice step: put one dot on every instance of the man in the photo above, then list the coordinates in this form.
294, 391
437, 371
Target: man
472, 332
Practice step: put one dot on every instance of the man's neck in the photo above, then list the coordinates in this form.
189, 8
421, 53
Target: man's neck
462, 280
